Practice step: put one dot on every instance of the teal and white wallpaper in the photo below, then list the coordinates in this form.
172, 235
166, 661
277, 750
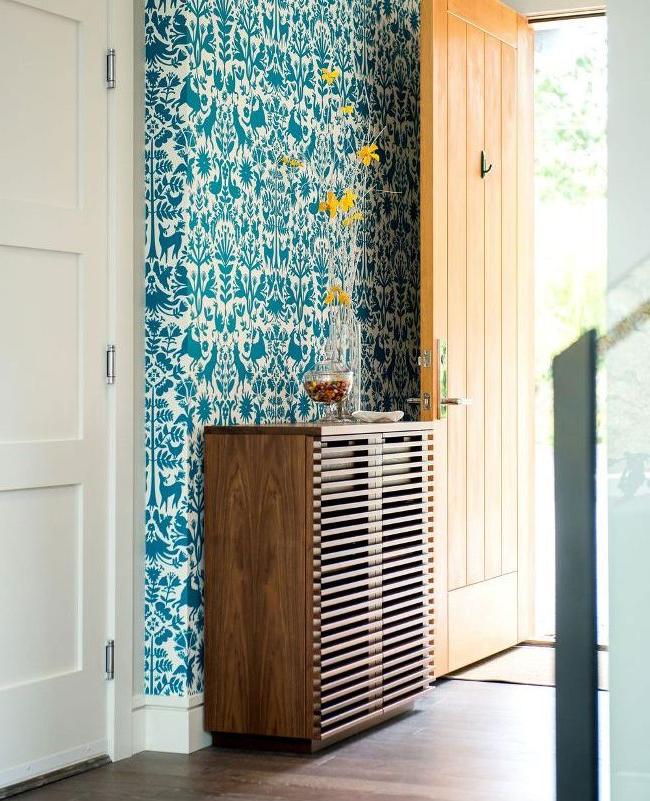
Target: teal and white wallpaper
236, 264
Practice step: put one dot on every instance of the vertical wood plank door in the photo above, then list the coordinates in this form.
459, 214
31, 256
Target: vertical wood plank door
476, 274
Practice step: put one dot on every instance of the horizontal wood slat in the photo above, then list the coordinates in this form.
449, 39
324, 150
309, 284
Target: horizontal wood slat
327, 532
349, 688
367, 694
329, 553
366, 617
339, 672
340, 634
323, 541
368, 638
346, 512
370, 593
343, 461
373, 576
333, 568
352, 712
351, 474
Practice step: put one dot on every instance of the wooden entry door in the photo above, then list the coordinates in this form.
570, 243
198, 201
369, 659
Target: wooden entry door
476, 298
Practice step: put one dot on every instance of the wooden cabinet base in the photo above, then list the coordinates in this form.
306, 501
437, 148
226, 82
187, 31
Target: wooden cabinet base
295, 745
319, 580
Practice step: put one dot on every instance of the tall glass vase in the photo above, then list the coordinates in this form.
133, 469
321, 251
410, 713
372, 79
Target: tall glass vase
355, 360
331, 380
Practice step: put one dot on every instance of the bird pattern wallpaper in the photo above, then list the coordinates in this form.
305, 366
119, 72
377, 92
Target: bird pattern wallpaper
236, 262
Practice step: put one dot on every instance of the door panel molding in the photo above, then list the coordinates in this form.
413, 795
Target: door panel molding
469, 607
490, 16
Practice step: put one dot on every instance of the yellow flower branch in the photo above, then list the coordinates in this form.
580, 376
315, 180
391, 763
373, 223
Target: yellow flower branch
348, 200
329, 76
337, 296
367, 154
330, 205
288, 161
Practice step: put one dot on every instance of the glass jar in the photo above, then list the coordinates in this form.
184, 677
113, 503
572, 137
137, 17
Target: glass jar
330, 383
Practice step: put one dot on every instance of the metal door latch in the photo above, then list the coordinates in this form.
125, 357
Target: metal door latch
424, 401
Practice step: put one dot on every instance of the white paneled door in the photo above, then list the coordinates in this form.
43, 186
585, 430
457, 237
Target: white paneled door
53, 396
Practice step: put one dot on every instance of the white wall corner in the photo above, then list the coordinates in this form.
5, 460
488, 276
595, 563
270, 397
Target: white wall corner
171, 724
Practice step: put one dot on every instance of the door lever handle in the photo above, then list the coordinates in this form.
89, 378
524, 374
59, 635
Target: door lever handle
424, 402
485, 167
455, 401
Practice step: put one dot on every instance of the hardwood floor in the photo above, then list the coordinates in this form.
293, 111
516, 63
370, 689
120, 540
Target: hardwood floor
469, 741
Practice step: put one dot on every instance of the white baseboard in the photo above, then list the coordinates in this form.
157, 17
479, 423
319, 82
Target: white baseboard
169, 723
63, 759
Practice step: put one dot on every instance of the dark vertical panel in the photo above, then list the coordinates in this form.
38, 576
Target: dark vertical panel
574, 383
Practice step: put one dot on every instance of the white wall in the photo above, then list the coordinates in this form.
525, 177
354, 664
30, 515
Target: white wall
534, 7
628, 418
629, 133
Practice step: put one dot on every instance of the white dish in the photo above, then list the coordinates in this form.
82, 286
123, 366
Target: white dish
377, 417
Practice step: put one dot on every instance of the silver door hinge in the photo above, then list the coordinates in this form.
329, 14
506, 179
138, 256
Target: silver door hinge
110, 68
425, 359
109, 660
110, 364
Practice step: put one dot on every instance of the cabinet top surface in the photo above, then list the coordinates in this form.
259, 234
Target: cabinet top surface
321, 430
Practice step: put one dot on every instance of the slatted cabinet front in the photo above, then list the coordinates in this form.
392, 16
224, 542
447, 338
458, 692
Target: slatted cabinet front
373, 576
318, 580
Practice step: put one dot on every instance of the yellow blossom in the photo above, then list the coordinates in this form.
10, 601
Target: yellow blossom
347, 109
291, 162
329, 76
330, 205
336, 295
355, 217
368, 154
348, 200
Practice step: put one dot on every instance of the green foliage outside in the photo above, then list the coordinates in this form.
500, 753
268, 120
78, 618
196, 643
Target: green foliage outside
570, 189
